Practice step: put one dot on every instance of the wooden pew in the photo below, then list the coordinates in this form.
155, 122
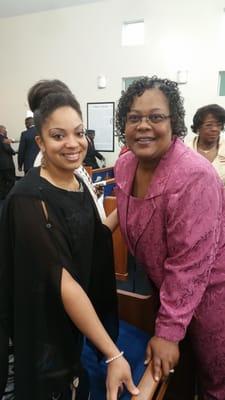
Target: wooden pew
119, 246
109, 187
149, 388
88, 169
105, 173
140, 311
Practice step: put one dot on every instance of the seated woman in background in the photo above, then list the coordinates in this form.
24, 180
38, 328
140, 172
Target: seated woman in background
171, 208
56, 261
208, 123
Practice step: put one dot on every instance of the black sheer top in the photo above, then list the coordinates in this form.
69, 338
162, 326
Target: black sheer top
78, 211
33, 251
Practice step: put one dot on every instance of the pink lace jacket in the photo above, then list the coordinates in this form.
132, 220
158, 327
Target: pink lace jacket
177, 232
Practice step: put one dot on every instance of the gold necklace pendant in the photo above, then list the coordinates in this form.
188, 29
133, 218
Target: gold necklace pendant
215, 147
73, 186
205, 151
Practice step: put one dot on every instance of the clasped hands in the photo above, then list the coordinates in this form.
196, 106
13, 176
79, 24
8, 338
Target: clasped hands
164, 355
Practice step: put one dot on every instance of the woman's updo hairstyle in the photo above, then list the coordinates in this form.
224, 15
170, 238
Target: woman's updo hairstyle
48, 95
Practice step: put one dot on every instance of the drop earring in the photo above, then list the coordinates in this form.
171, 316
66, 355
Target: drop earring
43, 161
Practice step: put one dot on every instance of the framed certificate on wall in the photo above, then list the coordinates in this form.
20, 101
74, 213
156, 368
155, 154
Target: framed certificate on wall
100, 117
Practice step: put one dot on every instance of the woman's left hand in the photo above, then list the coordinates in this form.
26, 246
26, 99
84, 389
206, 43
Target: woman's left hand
119, 373
164, 355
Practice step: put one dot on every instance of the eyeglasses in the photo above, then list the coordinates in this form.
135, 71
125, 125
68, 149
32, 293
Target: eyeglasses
134, 119
212, 125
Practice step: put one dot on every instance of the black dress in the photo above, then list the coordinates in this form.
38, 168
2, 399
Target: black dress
33, 251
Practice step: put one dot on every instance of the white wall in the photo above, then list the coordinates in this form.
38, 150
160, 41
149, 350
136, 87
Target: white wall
77, 44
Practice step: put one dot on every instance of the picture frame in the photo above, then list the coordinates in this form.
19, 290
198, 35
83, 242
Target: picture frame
100, 118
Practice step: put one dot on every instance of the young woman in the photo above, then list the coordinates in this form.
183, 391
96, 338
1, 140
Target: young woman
56, 270
171, 207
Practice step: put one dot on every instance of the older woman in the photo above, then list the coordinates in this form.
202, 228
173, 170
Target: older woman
208, 123
171, 207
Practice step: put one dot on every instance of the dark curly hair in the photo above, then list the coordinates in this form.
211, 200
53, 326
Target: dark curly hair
137, 88
48, 95
217, 111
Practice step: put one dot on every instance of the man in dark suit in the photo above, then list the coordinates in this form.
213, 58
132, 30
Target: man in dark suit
7, 168
28, 148
92, 153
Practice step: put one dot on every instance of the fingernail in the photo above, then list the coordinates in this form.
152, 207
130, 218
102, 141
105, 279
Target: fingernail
156, 378
146, 362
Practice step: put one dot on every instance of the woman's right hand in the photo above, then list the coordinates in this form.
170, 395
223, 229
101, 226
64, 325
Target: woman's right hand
164, 355
119, 373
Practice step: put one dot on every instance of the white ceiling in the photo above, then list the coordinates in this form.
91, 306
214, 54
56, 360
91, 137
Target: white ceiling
11, 8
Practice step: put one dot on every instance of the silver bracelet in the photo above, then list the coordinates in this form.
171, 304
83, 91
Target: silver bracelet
114, 358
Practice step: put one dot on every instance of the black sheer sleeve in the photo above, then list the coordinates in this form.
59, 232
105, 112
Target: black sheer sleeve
47, 345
